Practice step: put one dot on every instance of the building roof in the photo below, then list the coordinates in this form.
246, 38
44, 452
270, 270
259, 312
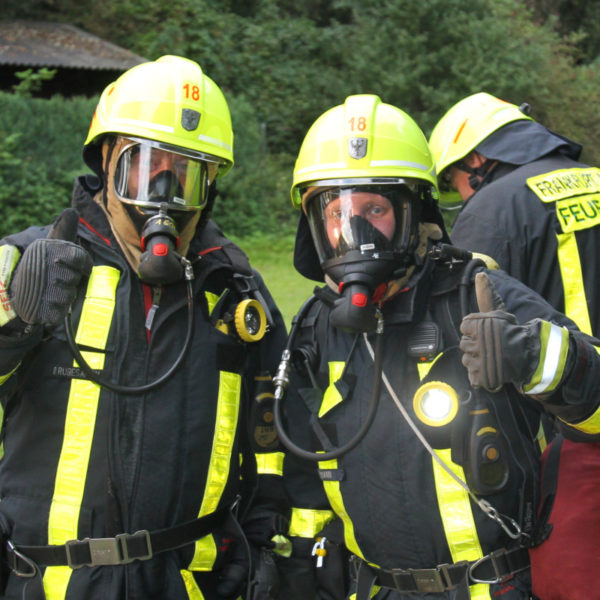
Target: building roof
44, 44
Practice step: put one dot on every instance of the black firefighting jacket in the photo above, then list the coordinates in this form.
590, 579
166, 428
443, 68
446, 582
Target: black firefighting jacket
397, 507
541, 222
80, 461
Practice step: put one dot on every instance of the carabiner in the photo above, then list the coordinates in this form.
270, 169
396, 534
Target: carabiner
502, 520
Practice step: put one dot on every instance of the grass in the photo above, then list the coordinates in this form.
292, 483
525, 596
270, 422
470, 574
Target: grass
273, 258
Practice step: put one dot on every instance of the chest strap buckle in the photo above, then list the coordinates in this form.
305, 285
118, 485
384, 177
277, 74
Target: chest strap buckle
432, 581
109, 551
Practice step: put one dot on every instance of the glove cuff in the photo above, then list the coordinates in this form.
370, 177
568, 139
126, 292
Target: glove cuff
552, 358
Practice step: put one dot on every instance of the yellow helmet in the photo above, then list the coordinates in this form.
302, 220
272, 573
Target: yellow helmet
466, 125
362, 139
171, 101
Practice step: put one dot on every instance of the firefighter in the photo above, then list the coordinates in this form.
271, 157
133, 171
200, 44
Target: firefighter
411, 388
134, 336
528, 202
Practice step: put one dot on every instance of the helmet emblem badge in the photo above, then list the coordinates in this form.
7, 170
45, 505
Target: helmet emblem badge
189, 119
357, 147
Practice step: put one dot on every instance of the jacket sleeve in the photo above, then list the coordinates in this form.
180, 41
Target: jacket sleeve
569, 358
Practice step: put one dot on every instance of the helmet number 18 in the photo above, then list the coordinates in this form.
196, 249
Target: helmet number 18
192, 91
358, 123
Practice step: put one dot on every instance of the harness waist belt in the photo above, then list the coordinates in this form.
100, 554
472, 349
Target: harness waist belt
119, 550
492, 568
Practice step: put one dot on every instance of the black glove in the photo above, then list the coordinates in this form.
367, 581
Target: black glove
497, 350
45, 281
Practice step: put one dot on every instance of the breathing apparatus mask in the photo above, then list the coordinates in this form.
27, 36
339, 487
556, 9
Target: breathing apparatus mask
365, 233
163, 190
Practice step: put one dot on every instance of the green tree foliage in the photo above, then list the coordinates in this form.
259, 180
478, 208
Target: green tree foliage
31, 80
41, 154
281, 63
575, 20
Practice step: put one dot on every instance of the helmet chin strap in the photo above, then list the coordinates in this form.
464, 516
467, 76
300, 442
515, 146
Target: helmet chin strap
477, 175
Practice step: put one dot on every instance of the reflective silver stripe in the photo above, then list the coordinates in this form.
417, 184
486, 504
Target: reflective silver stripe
553, 355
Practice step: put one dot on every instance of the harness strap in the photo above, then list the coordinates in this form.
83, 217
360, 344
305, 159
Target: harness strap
119, 550
492, 568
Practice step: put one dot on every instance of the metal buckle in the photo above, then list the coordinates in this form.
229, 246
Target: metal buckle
427, 580
122, 537
108, 551
492, 557
25, 559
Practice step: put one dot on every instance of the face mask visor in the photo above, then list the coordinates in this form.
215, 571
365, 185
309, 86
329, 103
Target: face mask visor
149, 173
376, 220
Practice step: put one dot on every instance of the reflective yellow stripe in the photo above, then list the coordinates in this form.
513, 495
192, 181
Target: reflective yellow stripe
541, 438
425, 367
269, 463
191, 586
570, 271
307, 522
457, 517
3, 378
591, 425
211, 300
228, 408
93, 329
334, 494
332, 397
98, 308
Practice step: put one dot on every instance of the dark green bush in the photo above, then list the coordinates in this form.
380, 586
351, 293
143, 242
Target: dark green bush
41, 156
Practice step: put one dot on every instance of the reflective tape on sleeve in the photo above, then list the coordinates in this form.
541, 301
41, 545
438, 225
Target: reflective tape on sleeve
591, 425
554, 348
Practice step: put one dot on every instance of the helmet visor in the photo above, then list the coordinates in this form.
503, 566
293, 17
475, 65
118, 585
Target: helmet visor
371, 219
149, 172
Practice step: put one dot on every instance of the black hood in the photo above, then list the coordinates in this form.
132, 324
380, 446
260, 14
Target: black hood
524, 141
306, 259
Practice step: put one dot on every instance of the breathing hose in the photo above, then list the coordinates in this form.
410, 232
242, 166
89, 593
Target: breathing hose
123, 389
281, 381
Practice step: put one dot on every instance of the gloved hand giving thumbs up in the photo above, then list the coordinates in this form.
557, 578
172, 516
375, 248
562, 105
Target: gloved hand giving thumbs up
498, 350
45, 281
